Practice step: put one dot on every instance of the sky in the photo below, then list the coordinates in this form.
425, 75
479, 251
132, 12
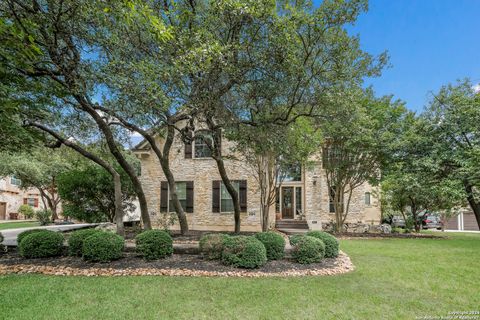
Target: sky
430, 43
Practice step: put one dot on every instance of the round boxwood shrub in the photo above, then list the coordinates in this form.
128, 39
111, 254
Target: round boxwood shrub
23, 234
308, 250
211, 245
75, 242
154, 244
295, 238
331, 243
102, 247
274, 244
41, 244
244, 252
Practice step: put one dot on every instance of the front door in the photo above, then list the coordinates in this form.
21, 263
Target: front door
287, 203
3, 210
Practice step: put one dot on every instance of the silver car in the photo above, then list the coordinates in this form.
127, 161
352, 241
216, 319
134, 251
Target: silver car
398, 222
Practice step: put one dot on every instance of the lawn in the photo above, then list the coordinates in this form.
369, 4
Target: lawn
18, 224
394, 279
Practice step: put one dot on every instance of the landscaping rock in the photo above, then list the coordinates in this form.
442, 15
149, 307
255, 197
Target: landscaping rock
107, 226
342, 264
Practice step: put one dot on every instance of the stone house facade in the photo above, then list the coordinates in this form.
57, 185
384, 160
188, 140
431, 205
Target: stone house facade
303, 195
12, 197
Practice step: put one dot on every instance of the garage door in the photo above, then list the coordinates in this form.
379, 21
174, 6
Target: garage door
470, 222
452, 224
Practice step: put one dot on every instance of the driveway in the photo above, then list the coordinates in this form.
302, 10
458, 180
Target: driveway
10, 235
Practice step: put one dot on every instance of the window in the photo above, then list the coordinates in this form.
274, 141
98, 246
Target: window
201, 148
181, 189
31, 202
15, 181
332, 200
292, 173
298, 200
184, 190
367, 198
226, 202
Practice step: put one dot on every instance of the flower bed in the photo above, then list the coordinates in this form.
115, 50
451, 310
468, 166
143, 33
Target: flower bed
176, 265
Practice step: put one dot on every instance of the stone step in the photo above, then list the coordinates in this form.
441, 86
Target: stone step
291, 224
290, 231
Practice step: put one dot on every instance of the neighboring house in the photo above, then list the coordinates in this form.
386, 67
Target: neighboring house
464, 221
303, 195
12, 197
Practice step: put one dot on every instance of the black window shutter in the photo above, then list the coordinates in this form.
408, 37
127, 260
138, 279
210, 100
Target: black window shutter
163, 196
189, 208
243, 195
215, 196
188, 147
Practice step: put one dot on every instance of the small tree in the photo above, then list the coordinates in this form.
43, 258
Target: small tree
27, 211
353, 154
89, 195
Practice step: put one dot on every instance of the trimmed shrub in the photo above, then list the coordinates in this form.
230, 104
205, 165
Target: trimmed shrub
211, 245
308, 250
295, 238
274, 244
244, 252
331, 243
75, 242
154, 244
23, 234
41, 244
102, 247
44, 216
26, 211
2, 247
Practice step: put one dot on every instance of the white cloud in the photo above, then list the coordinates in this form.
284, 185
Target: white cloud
476, 87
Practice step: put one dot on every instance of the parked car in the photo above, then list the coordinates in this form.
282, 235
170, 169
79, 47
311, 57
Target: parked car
398, 222
430, 221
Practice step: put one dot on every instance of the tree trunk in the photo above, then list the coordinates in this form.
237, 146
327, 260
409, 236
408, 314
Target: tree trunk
137, 186
165, 163
266, 210
117, 185
115, 175
231, 190
163, 158
474, 204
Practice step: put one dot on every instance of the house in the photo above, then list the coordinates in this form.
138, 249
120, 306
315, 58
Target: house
12, 197
302, 199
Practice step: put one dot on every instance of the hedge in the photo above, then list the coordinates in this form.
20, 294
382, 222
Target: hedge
331, 243
308, 250
211, 245
274, 244
75, 242
41, 244
102, 247
244, 252
154, 244
26, 233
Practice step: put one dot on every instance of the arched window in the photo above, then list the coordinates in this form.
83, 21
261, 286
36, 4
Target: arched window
202, 139
367, 198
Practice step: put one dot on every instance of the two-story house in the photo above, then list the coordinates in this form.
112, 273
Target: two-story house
303, 195
12, 197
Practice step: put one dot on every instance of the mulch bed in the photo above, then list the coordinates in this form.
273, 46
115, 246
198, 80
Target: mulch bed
351, 235
176, 265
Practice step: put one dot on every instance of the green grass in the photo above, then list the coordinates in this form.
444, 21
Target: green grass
18, 224
394, 279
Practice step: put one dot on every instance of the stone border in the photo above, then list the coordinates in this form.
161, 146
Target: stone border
343, 264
